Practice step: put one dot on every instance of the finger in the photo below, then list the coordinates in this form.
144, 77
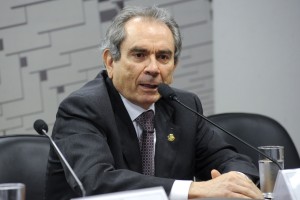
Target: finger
215, 173
248, 189
251, 187
252, 193
243, 185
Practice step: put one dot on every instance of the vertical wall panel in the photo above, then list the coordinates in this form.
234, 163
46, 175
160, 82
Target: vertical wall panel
257, 56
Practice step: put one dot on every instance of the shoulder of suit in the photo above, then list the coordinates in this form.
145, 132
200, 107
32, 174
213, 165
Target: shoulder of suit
184, 93
92, 93
94, 87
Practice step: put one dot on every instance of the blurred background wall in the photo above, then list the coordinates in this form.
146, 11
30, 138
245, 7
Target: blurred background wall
257, 59
51, 48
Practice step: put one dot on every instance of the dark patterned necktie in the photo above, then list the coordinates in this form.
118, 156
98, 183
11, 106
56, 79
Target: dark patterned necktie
146, 121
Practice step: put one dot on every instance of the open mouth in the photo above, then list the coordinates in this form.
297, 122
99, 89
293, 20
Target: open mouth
149, 86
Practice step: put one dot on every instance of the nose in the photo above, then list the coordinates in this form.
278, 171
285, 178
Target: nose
152, 67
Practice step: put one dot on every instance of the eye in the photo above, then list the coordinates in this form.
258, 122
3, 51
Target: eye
164, 58
139, 55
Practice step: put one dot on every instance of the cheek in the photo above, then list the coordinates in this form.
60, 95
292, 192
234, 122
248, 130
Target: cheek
167, 74
133, 72
126, 77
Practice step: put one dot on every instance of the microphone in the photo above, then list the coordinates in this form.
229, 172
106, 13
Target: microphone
42, 128
169, 94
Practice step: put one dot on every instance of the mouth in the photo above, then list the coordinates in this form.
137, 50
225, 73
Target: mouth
149, 86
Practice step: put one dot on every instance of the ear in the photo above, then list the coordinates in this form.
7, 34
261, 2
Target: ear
108, 62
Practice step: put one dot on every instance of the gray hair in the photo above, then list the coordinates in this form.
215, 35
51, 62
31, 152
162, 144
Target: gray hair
116, 33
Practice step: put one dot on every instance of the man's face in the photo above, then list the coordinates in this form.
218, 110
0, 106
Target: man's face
147, 59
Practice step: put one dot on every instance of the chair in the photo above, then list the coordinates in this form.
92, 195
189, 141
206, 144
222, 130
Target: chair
23, 159
257, 130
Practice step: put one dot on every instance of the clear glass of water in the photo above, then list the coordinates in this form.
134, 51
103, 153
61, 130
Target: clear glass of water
12, 191
268, 170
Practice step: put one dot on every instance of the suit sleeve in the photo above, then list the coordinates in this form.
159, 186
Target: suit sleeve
212, 152
85, 145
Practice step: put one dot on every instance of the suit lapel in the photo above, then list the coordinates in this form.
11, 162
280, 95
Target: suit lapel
129, 140
167, 139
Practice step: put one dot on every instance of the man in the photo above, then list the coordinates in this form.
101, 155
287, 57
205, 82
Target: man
99, 131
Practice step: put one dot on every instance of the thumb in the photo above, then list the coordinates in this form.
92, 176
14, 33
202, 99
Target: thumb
215, 173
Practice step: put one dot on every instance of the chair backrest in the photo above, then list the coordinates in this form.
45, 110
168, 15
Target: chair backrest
257, 130
23, 159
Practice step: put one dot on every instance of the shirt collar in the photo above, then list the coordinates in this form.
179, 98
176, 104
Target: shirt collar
133, 110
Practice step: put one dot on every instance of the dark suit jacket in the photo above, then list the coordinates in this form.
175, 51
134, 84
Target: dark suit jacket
96, 135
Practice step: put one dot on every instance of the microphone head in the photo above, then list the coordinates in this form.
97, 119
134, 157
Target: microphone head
166, 92
40, 125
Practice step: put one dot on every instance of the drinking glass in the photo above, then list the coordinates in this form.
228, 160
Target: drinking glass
268, 170
12, 191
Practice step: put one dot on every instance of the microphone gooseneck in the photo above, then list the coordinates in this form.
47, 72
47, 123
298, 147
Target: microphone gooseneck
168, 93
41, 127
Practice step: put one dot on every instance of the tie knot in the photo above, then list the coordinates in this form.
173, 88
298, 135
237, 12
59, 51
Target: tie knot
146, 121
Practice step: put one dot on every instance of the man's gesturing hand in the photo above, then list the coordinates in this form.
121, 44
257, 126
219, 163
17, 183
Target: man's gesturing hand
230, 185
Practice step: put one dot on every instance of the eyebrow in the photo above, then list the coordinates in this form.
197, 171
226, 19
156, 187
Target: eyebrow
169, 52
142, 50
137, 49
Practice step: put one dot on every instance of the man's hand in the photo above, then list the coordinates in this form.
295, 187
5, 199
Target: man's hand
230, 185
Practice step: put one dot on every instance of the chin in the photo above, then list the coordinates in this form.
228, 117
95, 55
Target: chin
146, 103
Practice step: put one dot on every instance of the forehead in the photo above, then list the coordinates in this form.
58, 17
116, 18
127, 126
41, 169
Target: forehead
140, 30
145, 22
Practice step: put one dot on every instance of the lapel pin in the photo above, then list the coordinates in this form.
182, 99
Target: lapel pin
171, 137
